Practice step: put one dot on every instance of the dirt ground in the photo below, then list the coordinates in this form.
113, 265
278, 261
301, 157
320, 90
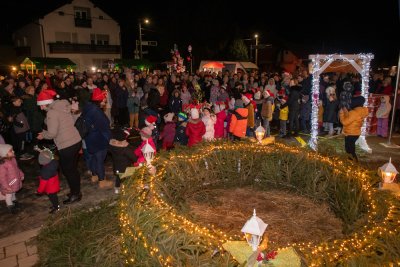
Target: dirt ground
34, 210
291, 218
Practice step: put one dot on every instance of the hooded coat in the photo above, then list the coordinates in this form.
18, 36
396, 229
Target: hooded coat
352, 120
99, 134
195, 130
219, 125
11, 176
60, 125
238, 123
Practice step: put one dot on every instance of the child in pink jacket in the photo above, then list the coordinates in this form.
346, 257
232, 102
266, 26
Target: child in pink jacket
11, 176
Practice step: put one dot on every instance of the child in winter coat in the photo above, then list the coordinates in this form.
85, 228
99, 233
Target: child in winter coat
49, 182
145, 134
11, 176
352, 122
180, 133
133, 104
238, 123
283, 116
209, 121
168, 133
267, 109
383, 116
122, 155
195, 128
220, 113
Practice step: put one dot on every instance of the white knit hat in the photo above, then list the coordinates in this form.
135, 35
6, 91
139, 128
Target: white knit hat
194, 113
4, 149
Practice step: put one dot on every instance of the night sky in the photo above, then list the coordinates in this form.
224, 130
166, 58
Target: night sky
317, 27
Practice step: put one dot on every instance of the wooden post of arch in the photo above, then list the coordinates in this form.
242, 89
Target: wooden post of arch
317, 70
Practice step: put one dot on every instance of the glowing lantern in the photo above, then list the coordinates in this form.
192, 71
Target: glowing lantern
254, 230
148, 152
388, 172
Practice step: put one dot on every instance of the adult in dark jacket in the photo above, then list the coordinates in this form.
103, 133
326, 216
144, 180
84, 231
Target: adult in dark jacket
122, 99
153, 99
175, 102
122, 154
97, 139
294, 107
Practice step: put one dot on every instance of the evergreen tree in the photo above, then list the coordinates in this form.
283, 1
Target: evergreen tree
238, 50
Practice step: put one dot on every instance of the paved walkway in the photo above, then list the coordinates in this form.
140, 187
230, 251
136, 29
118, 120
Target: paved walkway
19, 250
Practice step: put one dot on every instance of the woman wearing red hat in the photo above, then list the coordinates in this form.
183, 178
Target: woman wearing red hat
98, 137
61, 128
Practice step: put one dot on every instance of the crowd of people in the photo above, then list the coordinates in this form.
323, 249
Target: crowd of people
92, 114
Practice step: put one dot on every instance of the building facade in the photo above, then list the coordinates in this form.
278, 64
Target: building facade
79, 31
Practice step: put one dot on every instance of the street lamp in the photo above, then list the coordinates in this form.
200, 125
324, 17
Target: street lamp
146, 21
256, 55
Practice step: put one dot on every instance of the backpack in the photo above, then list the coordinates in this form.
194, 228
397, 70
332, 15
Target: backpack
80, 125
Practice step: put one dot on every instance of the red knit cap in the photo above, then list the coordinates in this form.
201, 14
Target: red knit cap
98, 95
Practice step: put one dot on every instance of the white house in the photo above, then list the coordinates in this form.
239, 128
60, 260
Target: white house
79, 31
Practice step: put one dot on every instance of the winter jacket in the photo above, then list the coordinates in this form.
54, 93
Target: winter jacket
384, 109
11, 176
122, 97
164, 99
195, 130
168, 133
138, 151
186, 97
238, 123
175, 104
122, 155
33, 114
133, 104
330, 111
352, 120
49, 182
284, 113
99, 128
214, 93
60, 125
20, 122
250, 116
219, 125
209, 122
267, 108
83, 95
180, 134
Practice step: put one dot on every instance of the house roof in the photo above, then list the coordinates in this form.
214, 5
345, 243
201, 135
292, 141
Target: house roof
48, 63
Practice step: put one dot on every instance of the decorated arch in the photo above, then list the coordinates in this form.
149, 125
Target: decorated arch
320, 63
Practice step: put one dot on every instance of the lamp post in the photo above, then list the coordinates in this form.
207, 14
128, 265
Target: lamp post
254, 230
146, 21
256, 55
388, 172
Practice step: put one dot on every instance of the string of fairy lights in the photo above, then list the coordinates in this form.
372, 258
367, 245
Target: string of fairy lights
150, 198
316, 71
